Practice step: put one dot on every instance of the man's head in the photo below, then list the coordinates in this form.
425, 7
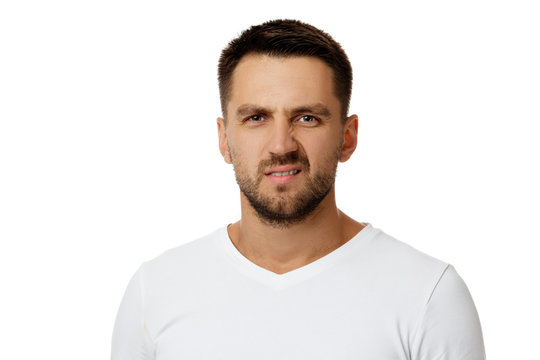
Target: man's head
286, 38
285, 130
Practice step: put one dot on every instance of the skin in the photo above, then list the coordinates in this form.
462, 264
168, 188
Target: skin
278, 106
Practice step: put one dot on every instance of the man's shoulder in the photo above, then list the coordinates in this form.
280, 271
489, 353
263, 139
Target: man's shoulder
399, 252
190, 255
401, 264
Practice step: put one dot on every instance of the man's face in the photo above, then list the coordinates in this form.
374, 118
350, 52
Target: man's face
284, 135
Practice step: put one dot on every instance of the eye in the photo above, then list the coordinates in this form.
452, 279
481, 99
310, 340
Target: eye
307, 119
255, 118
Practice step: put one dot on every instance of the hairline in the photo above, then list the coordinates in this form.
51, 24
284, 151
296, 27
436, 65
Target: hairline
272, 54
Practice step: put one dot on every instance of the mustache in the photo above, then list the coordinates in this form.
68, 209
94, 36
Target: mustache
290, 158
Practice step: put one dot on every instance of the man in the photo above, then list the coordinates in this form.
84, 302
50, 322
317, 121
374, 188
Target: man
294, 278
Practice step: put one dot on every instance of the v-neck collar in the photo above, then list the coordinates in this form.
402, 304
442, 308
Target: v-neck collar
282, 281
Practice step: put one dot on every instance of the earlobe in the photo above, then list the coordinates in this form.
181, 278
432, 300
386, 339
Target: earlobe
350, 138
222, 135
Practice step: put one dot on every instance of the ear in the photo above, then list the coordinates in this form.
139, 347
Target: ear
222, 134
350, 137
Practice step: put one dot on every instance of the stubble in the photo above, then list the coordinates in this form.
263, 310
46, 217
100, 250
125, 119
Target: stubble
284, 208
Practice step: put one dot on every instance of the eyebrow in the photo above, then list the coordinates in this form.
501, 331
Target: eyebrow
318, 109
315, 109
249, 109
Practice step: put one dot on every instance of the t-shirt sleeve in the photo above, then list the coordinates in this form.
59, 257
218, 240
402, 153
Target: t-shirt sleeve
131, 340
449, 328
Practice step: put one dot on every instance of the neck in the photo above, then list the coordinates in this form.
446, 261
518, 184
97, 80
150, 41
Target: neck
283, 249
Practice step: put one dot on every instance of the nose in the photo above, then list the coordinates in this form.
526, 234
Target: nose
282, 139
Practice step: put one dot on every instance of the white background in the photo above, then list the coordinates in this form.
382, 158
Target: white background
108, 150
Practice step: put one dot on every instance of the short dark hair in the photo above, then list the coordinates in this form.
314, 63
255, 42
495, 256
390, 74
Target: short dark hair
285, 38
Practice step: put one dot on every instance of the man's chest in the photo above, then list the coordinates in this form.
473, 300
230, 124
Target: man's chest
299, 330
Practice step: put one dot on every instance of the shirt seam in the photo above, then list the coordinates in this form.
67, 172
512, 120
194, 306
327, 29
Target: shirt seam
424, 310
143, 305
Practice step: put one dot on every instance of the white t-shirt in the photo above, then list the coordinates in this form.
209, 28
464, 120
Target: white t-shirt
372, 298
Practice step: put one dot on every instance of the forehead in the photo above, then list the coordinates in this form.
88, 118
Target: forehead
276, 82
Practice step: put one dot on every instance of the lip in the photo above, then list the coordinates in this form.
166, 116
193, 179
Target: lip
285, 179
283, 168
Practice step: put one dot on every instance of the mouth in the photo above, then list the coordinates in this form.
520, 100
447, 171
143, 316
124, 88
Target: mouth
283, 174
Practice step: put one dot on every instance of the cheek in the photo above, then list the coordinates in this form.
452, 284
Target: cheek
321, 150
245, 150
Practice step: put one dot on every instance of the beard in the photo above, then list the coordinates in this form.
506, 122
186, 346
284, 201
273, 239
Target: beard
284, 209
